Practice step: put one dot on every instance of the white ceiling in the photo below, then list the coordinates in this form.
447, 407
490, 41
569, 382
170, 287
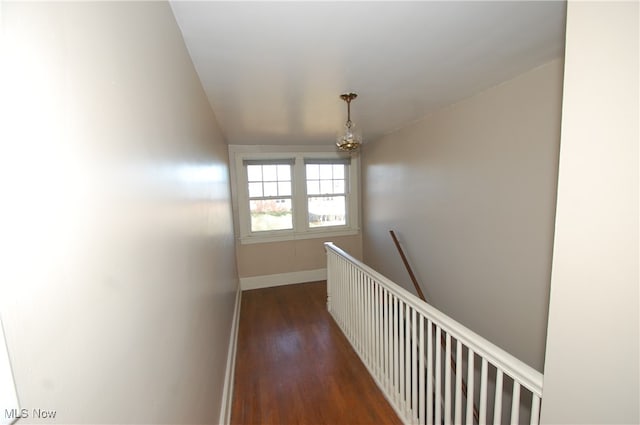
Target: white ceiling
273, 71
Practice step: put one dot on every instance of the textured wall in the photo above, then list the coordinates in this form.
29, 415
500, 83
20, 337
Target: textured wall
118, 279
470, 191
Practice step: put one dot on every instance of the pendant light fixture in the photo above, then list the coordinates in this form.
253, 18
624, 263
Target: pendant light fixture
351, 140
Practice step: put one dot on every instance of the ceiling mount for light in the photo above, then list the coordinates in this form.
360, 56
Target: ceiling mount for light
351, 140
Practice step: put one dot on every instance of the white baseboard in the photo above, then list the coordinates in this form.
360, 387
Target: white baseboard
267, 281
227, 393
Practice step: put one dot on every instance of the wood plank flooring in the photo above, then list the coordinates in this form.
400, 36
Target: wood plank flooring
294, 365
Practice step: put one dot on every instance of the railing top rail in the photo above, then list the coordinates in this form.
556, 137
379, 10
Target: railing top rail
512, 366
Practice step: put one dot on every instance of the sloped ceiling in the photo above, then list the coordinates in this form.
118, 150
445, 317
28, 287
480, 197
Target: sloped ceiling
273, 71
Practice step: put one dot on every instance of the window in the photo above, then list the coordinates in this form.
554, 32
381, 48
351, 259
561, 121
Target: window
326, 192
282, 195
269, 185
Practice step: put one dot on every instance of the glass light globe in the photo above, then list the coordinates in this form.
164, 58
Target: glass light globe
350, 140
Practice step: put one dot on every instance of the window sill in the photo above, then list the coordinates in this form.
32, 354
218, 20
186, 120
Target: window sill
245, 240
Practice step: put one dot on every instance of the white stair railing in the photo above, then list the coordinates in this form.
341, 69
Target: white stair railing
398, 338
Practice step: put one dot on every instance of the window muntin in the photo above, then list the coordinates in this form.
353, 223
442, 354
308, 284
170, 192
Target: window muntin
270, 196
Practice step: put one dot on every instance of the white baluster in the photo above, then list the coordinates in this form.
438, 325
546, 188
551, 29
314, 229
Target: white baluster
497, 407
357, 300
535, 410
342, 297
386, 338
401, 376
355, 306
372, 322
359, 303
447, 380
380, 331
334, 281
515, 403
470, 388
377, 306
338, 287
362, 333
414, 366
429, 372
385, 335
329, 271
345, 298
363, 316
407, 360
457, 419
348, 300
369, 319
395, 350
421, 372
483, 393
346, 317
437, 404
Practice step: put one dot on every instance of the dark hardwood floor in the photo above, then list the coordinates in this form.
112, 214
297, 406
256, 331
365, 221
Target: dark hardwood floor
294, 365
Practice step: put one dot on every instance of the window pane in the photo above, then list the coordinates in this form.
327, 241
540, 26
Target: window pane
284, 172
270, 173
271, 214
284, 188
254, 173
326, 186
313, 187
338, 186
313, 171
271, 189
255, 190
338, 171
327, 211
326, 171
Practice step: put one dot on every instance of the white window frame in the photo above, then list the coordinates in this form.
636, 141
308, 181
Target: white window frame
301, 230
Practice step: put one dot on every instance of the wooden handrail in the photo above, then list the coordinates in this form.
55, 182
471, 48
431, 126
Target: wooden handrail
407, 266
443, 340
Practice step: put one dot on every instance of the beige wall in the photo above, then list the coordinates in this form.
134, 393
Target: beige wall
470, 191
118, 274
591, 369
268, 258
